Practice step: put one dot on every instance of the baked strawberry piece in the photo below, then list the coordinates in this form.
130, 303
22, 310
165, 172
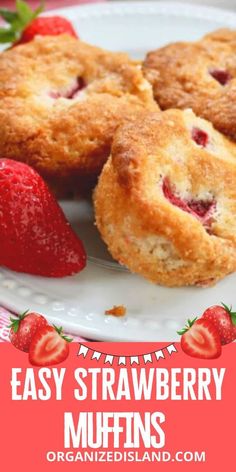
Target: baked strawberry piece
201, 209
222, 76
35, 236
200, 137
71, 92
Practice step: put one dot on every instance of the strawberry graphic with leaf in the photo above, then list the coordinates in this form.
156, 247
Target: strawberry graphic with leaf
224, 319
47, 345
23, 329
204, 337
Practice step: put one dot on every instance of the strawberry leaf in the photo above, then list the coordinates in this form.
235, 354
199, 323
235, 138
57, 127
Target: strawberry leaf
7, 15
7, 35
233, 318
182, 331
18, 20
24, 11
60, 332
68, 340
188, 325
15, 322
228, 309
39, 9
230, 312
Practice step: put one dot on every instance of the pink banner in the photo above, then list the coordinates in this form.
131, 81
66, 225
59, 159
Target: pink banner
145, 406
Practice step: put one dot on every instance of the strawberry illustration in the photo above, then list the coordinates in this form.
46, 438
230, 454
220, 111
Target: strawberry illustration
35, 236
24, 328
49, 346
200, 339
224, 320
24, 24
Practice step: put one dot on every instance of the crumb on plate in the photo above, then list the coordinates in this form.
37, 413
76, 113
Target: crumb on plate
119, 310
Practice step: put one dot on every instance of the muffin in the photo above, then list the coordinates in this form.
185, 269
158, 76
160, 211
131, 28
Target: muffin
165, 202
61, 101
199, 75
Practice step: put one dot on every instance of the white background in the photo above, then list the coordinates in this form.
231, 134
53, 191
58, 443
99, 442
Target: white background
217, 3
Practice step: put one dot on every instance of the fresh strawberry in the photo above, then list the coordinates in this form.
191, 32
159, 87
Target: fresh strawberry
200, 339
35, 236
49, 347
23, 329
24, 24
48, 26
224, 319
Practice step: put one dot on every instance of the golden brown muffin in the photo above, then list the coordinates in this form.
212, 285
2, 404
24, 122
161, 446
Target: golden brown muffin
200, 75
60, 103
166, 199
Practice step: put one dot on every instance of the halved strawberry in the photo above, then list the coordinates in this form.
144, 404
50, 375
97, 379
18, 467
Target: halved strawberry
49, 347
23, 329
200, 339
224, 320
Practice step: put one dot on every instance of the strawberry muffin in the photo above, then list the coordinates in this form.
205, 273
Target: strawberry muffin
61, 101
200, 75
166, 199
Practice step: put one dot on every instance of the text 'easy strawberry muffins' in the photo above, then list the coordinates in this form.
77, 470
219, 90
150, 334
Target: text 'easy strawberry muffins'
200, 75
61, 101
166, 199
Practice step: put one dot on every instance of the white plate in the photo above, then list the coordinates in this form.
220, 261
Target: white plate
78, 303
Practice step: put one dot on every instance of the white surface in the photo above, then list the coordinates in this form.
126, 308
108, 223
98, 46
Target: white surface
78, 303
213, 3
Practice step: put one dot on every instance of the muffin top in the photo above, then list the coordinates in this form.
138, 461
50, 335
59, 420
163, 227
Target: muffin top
180, 174
200, 75
62, 99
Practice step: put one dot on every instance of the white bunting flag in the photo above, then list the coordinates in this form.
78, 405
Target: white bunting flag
134, 360
147, 358
108, 359
96, 355
83, 351
171, 349
159, 355
122, 360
